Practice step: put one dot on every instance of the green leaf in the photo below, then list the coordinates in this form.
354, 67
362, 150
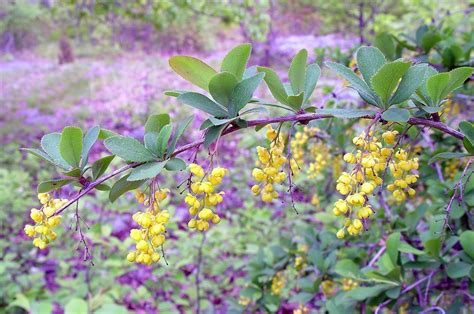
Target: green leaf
422, 91
296, 102
179, 130
76, 172
90, 138
203, 103
356, 83
174, 92
347, 268
467, 128
193, 70
216, 121
458, 270
163, 139
243, 93
456, 80
386, 43
175, 164
347, 113
433, 247
429, 40
70, 145
313, 71
410, 82
467, 242
122, 186
146, 171
100, 166
393, 293
392, 244
39, 153
369, 61
400, 115
447, 155
109, 308
386, 79
128, 148
155, 122
221, 87
105, 134
407, 248
102, 187
76, 306
20, 301
296, 73
47, 186
212, 134
274, 85
50, 144
363, 293
151, 142
236, 60
435, 86
381, 278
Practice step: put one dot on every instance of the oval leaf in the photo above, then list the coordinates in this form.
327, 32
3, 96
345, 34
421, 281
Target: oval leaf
146, 171
70, 145
203, 103
396, 115
369, 61
221, 87
193, 70
128, 148
236, 60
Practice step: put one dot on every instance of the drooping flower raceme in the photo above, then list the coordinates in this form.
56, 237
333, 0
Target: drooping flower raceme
269, 166
45, 220
150, 235
370, 162
204, 197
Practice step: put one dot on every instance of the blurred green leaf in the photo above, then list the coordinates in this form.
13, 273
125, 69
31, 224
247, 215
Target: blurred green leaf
76, 306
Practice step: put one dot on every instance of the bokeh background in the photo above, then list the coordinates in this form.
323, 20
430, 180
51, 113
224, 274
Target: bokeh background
101, 62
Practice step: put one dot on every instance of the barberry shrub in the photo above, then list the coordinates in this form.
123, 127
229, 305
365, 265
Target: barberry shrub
378, 169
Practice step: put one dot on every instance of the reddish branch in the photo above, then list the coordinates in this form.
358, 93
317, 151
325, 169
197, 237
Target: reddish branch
302, 118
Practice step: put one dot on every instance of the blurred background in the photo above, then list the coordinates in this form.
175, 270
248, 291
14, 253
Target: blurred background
104, 62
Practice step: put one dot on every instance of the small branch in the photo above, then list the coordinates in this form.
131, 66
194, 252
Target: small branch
305, 117
376, 257
457, 194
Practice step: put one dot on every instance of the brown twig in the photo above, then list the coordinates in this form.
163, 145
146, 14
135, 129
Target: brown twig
305, 117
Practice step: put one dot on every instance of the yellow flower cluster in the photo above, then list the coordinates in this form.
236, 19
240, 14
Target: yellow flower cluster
150, 235
328, 287
370, 161
269, 167
401, 168
204, 196
349, 284
302, 309
278, 283
318, 152
451, 168
45, 220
